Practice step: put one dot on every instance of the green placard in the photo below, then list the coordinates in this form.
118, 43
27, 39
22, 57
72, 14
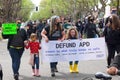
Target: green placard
9, 28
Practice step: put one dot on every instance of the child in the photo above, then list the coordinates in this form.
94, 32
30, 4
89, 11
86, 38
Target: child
34, 53
73, 34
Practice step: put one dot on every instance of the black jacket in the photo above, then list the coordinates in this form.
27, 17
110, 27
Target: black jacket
90, 30
112, 36
10, 37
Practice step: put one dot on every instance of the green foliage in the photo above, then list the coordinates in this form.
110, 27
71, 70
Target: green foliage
113, 3
26, 8
62, 7
49, 8
74, 8
44, 11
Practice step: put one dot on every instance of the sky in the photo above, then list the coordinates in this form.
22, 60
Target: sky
36, 2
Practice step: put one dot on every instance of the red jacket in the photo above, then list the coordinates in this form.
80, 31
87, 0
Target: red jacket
34, 47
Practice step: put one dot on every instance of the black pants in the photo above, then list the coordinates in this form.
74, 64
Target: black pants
53, 65
111, 52
39, 36
1, 75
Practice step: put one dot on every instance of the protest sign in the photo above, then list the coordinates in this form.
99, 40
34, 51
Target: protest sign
72, 50
9, 28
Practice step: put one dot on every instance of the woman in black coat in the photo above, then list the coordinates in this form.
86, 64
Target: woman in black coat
112, 37
16, 48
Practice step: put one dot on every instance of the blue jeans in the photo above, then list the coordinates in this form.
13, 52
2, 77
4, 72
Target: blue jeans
16, 55
36, 61
71, 62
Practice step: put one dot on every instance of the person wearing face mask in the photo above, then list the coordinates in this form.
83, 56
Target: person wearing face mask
16, 48
90, 30
79, 26
54, 31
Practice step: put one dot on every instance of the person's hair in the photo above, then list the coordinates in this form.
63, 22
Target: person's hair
32, 36
53, 24
69, 35
115, 23
90, 18
18, 21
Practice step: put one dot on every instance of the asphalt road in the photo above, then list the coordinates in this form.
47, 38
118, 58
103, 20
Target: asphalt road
87, 69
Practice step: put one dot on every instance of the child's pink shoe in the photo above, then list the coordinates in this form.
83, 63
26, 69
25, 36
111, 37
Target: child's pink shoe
37, 73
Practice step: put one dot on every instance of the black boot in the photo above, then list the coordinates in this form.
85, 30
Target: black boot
52, 72
56, 70
16, 77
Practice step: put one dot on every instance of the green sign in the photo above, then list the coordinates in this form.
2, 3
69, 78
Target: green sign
9, 28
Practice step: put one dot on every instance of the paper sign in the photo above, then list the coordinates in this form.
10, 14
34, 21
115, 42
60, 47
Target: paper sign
9, 28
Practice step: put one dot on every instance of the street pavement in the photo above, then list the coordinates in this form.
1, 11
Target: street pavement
87, 69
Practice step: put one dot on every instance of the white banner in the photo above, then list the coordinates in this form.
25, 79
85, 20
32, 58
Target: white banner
72, 50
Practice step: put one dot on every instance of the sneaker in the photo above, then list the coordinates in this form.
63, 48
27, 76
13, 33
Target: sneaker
16, 77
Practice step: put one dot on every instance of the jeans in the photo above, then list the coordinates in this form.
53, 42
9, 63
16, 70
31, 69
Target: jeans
53, 65
71, 62
36, 61
16, 55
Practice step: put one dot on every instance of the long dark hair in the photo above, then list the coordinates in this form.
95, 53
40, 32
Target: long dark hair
115, 23
53, 24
